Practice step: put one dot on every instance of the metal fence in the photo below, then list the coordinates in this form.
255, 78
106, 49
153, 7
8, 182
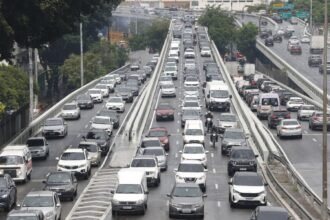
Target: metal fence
13, 124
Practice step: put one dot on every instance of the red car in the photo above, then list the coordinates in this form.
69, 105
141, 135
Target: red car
295, 49
164, 111
162, 134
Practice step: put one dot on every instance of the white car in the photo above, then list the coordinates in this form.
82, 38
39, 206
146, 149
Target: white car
148, 164
191, 98
47, 202
205, 52
290, 28
104, 89
189, 53
294, 103
191, 91
247, 188
70, 111
289, 128
102, 123
75, 160
116, 103
280, 31
194, 151
168, 90
174, 56
118, 78
305, 112
111, 84
193, 105
96, 95
305, 39
165, 80
191, 171
191, 82
293, 40
171, 71
174, 64
189, 64
226, 120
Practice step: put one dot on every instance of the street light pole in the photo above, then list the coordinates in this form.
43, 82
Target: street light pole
311, 17
81, 57
325, 105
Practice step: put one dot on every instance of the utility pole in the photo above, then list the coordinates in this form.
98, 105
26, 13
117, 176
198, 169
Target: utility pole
30, 84
36, 75
311, 18
325, 105
81, 57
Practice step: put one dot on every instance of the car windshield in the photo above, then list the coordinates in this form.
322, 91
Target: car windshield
22, 217
83, 97
190, 61
190, 168
143, 163
219, 93
3, 183
59, 178
157, 133
247, 180
35, 142
170, 68
231, 118
191, 88
73, 156
290, 123
191, 79
234, 135
89, 147
129, 189
101, 87
187, 192
168, 86
98, 120
273, 215
307, 108
122, 89
53, 122
191, 113
164, 106
95, 91
194, 132
95, 135
38, 201
193, 150
191, 104
242, 154
115, 99
151, 143
269, 101
156, 152
11, 160
165, 78
69, 107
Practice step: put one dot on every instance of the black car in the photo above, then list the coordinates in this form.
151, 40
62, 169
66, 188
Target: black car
287, 34
99, 136
8, 192
277, 38
276, 116
241, 159
85, 101
277, 19
186, 200
114, 116
328, 68
270, 213
125, 93
264, 34
64, 183
133, 85
285, 96
314, 60
269, 41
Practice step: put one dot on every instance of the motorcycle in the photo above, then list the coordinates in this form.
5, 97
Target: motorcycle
214, 138
208, 124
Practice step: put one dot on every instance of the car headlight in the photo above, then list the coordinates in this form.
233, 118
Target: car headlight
176, 205
252, 163
69, 188
233, 163
19, 172
115, 201
201, 178
235, 192
179, 177
82, 165
203, 158
4, 196
49, 214
140, 201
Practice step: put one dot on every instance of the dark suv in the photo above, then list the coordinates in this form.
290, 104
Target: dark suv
241, 159
269, 41
8, 192
276, 116
314, 60
230, 138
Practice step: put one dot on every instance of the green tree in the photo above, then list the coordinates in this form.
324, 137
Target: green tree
246, 41
137, 42
156, 34
14, 87
221, 27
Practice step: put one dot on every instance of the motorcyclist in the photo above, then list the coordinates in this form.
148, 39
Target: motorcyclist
214, 137
208, 123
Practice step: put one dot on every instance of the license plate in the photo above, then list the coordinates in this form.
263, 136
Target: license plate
242, 168
186, 211
164, 116
59, 193
127, 207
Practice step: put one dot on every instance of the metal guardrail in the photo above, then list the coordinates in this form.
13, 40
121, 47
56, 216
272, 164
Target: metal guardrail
312, 90
54, 111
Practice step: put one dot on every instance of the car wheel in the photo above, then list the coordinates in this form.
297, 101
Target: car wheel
171, 215
230, 173
72, 197
300, 136
113, 212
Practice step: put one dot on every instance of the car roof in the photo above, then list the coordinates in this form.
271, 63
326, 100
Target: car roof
193, 145
234, 130
41, 193
186, 185
153, 148
247, 174
73, 150
144, 157
191, 162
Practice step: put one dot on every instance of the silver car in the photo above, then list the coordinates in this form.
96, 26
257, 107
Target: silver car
305, 112
45, 201
55, 127
38, 147
289, 128
94, 152
226, 120
159, 152
70, 111
103, 123
168, 90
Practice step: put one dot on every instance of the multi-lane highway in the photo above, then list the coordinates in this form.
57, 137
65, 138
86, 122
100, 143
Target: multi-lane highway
299, 62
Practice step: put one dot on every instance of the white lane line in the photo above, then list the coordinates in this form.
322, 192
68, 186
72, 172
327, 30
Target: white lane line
216, 186
176, 155
178, 130
153, 115
305, 132
86, 126
213, 170
177, 142
314, 140
219, 204
269, 204
212, 154
167, 203
178, 121
78, 135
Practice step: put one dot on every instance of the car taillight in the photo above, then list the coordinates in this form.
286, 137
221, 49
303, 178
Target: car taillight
288, 116
274, 116
315, 118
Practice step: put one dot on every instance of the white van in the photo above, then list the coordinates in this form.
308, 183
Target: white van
16, 160
217, 96
175, 47
193, 132
131, 194
265, 104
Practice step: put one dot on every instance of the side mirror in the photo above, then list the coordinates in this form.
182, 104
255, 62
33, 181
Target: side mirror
44, 182
18, 205
112, 191
175, 169
58, 205
57, 158
208, 96
147, 192
230, 183
180, 151
204, 195
256, 155
265, 184
206, 152
230, 96
168, 195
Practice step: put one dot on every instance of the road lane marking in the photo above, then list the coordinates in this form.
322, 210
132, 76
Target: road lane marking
219, 204
314, 140
154, 113
216, 186
212, 155
176, 155
178, 130
213, 170
86, 126
305, 132
177, 142
78, 135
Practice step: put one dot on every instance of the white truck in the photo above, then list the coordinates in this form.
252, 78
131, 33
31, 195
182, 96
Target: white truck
217, 96
316, 45
249, 69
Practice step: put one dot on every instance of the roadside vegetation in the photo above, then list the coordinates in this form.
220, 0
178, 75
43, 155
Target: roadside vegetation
224, 32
